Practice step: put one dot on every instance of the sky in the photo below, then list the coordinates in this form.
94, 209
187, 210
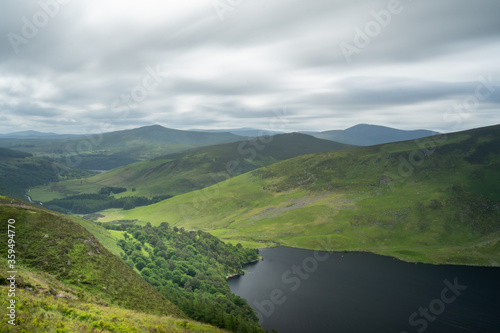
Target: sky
73, 66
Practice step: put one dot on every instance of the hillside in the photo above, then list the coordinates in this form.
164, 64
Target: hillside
74, 277
369, 135
41, 312
194, 169
190, 269
114, 149
50, 243
21, 171
431, 200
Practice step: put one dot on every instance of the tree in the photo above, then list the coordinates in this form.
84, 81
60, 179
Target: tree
140, 263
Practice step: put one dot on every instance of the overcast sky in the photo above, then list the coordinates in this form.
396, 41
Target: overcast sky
74, 66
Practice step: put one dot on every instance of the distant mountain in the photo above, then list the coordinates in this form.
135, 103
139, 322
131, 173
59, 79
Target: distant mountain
369, 135
159, 135
35, 135
247, 132
110, 150
183, 172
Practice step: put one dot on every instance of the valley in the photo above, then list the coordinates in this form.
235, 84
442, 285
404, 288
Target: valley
180, 224
222, 166
442, 208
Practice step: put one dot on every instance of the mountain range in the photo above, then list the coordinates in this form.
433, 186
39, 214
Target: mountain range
36, 135
194, 169
434, 199
428, 200
114, 149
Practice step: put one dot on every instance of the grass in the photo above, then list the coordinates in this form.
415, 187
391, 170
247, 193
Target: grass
107, 238
40, 312
195, 169
441, 209
54, 244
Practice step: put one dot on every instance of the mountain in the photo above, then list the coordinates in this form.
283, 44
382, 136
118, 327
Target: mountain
69, 276
431, 200
159, 135
36, 135
114, 149
369, 135
246, 132
20, 171
198, 168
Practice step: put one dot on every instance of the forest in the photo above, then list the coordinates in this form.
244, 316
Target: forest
190, 269
91, 203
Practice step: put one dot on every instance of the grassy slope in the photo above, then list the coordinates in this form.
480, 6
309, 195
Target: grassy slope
195, 169
443, 209
39, 312
53, 244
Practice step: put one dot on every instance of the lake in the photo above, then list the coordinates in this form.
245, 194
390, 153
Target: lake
294, 290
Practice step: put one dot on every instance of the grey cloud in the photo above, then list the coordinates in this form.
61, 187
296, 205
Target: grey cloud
293, 56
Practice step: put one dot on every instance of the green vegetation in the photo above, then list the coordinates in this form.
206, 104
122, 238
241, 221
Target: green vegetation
45, 307
51, 243
190, 268
114, 149
194, 169
20, 171
430, 200
68, 281
91, 203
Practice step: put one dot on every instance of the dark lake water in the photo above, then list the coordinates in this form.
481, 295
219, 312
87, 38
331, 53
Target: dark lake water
295, 290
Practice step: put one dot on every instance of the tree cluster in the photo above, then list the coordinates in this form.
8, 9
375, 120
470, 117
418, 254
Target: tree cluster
190, 269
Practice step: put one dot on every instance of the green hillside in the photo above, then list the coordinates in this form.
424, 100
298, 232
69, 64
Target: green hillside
21, 171
430, 200
39, 311
190, 269
71, 278
50, 243
114, 149
194, 169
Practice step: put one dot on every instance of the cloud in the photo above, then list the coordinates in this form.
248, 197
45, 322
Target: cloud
68, 74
